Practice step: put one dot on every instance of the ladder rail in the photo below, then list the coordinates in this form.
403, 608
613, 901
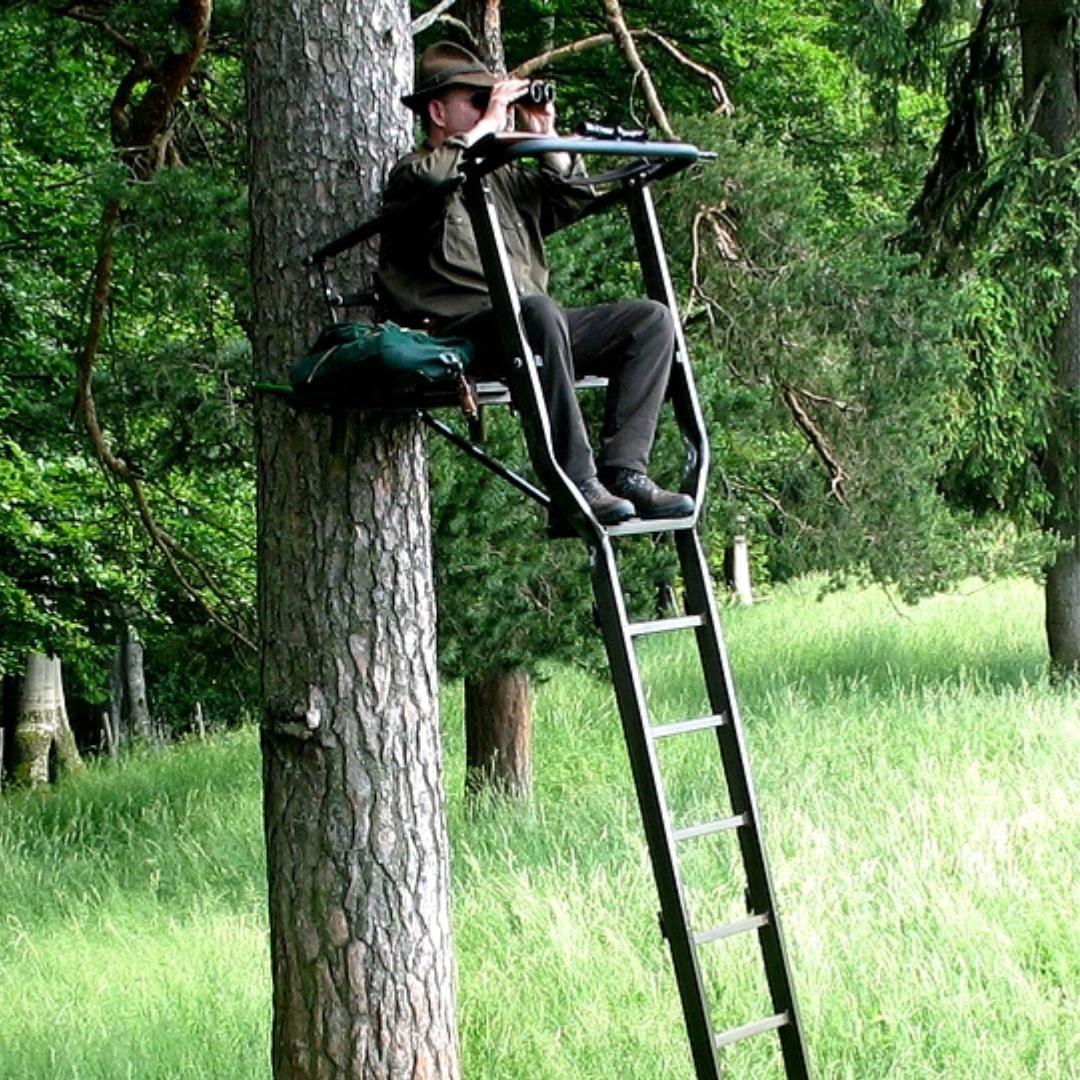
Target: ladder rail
645, 770
736, 763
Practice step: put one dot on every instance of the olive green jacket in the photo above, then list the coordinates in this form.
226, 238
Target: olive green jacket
430, 266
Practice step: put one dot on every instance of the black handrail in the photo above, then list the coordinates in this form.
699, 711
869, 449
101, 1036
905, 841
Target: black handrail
494, 151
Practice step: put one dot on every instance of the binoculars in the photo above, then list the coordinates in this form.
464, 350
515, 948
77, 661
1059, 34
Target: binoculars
538, 93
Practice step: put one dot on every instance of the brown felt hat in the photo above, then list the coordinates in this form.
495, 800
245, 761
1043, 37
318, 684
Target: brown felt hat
443, 65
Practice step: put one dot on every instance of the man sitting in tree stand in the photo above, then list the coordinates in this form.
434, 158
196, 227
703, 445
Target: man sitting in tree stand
431, 276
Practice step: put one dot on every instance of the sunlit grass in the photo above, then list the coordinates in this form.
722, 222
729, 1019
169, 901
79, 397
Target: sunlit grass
920, 788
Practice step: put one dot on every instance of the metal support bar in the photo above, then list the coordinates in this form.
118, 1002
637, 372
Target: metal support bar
478, 453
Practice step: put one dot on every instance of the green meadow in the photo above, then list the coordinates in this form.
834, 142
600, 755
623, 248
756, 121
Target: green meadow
919, 782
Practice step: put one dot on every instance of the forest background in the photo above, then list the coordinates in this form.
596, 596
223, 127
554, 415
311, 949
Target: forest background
874, 275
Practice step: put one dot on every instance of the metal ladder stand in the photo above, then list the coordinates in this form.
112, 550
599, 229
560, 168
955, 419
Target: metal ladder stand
621, 634
629, 184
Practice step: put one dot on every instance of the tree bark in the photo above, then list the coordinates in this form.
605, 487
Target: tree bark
42, 723
67, 752
135, 686
1051, 72
484, 20
357, 852
498, 733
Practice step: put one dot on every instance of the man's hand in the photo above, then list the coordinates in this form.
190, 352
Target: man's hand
503, 94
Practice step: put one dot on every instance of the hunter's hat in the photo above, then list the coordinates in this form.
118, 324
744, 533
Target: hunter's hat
445, 64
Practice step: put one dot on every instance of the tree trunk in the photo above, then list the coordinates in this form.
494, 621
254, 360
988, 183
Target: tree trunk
498, 733
42, 723
357, 852
67, 752
1051, 70
128, 706
117, 698
140, 724
484, 20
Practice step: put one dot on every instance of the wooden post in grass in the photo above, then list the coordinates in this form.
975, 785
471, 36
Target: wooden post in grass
737, 565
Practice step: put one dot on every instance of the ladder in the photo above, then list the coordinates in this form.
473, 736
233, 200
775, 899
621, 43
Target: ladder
622, 635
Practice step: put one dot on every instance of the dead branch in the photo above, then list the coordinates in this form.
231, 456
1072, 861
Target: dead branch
716, 84
723, 231
804, 527
822, 399
422, 22
816, 438
554, 56
625, 40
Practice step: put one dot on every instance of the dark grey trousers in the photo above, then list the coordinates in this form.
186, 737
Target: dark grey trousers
631, 343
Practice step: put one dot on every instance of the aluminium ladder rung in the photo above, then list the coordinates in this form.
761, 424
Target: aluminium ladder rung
663, 626
684, 727
739, 926
709, 827
640, 526
757, 1027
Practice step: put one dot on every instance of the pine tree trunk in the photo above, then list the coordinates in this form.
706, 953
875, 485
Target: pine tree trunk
484, 20
38, 720
498, 733
357, 853
1051, 69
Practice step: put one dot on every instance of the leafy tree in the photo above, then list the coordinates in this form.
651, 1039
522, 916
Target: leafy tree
167, 372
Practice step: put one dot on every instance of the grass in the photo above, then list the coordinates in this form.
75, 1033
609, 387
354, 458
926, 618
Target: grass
920, 786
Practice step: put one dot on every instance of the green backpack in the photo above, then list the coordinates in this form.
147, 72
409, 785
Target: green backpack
361, 365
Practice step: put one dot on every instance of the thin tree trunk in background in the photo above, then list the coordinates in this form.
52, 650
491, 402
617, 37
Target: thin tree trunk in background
128, 707
139, 722
108, 738
498, 733
117, 697
1051, 70
357, 850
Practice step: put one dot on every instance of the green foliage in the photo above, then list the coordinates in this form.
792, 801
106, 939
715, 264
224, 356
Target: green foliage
173, 365
931, 398
832, 375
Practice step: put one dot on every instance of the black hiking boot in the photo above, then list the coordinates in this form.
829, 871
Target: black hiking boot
649, 500
606, 508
